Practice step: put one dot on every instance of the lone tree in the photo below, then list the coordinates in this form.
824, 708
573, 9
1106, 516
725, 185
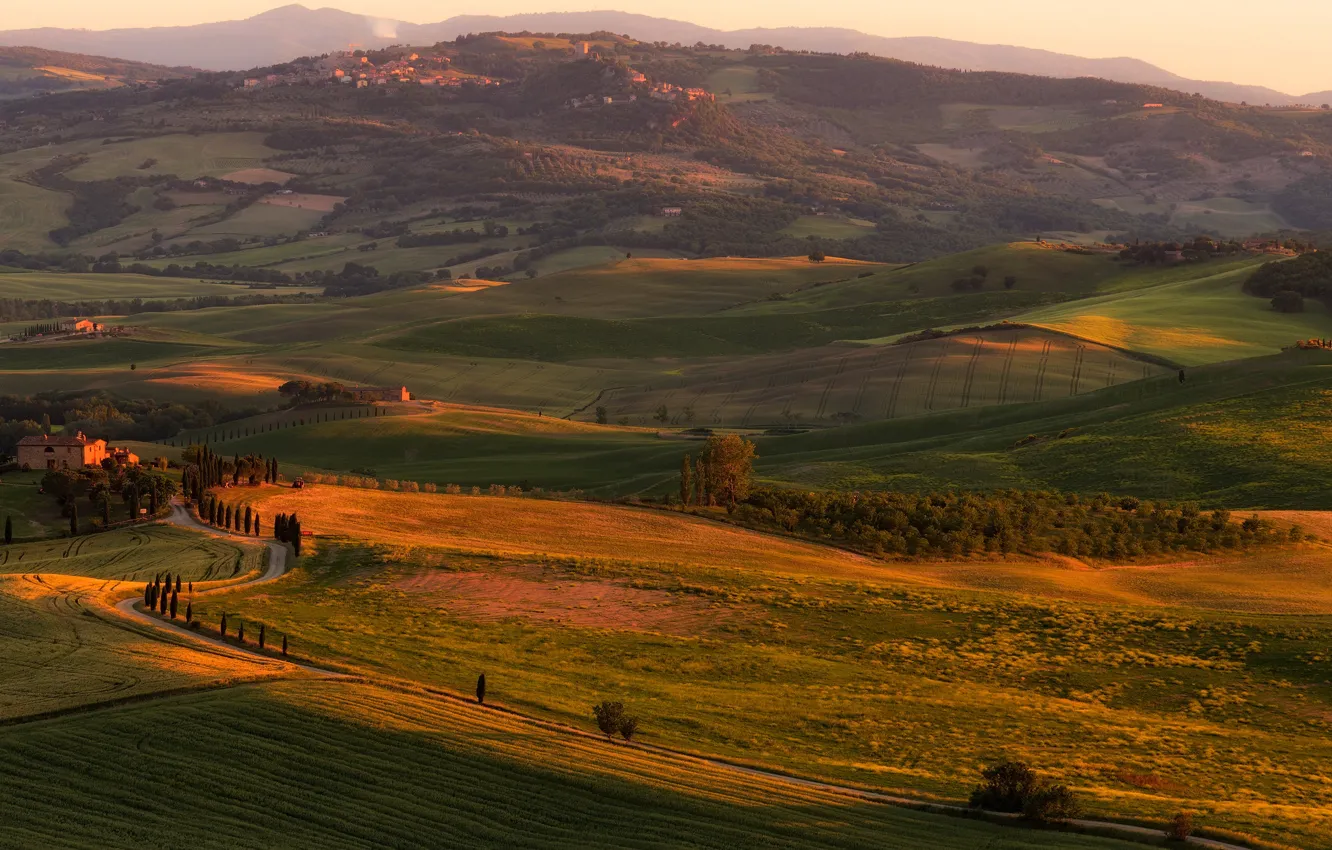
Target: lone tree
609, 716
9, 530
284, 644
240, 632
261, 635
481, 689
189, 612
222, 629
729, 462
817, 255
603, 415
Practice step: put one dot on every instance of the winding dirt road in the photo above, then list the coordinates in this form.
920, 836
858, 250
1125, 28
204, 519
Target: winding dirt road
277, 567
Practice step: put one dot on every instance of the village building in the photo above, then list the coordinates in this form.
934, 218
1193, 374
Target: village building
88, 326
379, 394
56, 451
672, 212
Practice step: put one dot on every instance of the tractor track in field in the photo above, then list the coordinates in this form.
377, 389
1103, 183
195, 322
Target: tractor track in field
277, 568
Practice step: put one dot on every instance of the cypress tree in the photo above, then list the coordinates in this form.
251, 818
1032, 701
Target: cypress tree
9, 530
240, 632
73, 520
167, 582
249, 520
165, 600
481, 689
152, 501
134, 504
189, 612
174, 598
223, 628
261, 635
275, 471
686, 480
226, 522
178, 584
147, 594
284, 644
295, 534
256, 525
106, 512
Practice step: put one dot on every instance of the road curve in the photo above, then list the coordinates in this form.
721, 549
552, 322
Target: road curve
277, 567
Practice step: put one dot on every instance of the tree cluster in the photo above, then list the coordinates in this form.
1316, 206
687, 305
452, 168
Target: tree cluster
1308, 275
1014, 787
1005, 521
721, 474
287, 529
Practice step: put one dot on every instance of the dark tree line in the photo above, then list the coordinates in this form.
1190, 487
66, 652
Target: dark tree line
1003, 521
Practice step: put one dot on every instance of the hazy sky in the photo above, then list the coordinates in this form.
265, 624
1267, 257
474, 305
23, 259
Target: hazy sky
1279, 43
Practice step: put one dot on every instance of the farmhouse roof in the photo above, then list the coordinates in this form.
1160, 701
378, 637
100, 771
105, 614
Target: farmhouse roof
57, 440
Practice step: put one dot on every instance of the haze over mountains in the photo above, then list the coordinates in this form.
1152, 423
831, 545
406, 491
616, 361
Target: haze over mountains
291, 31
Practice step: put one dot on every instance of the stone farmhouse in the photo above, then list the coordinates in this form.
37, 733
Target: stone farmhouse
58, 451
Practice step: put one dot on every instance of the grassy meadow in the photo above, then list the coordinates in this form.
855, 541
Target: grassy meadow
898, 676
342, 765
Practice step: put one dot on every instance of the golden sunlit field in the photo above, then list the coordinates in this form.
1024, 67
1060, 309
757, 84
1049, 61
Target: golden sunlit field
1122, 678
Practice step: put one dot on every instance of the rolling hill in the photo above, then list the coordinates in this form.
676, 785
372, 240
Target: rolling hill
294, 30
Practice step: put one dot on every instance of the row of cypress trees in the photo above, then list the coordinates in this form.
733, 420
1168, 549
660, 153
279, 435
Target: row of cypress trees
220, 515
240, 633
160, 596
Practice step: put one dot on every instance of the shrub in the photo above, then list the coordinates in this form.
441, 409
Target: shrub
429, 488
610, 717
1180, 827
1004, 787
628, 726
1050, 804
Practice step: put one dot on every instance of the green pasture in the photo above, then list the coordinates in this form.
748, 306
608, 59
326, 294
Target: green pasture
339, 765
569, 338
1237, 435
836, 385
267, 255
1204, 320
829, 227
186, 156
33, 514
59, 286
736, 84
475, 452
29, 213
93, 354
260, 220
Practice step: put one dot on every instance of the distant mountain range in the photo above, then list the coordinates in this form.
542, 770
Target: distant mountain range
291, 31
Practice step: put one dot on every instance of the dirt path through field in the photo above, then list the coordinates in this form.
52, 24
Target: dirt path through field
277, 567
